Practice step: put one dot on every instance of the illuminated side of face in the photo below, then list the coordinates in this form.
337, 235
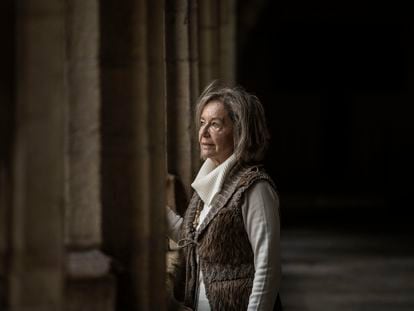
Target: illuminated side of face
216, 133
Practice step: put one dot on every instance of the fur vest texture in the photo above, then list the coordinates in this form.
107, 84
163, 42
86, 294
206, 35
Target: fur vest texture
221, 244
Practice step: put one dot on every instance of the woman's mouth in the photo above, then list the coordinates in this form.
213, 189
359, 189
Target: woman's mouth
206, 146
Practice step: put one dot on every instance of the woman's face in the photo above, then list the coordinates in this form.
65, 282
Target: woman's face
216, 133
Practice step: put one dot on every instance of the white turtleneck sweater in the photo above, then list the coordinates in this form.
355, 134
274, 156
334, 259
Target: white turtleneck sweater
261, 221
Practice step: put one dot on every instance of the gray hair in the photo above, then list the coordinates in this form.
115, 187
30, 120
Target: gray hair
250, 133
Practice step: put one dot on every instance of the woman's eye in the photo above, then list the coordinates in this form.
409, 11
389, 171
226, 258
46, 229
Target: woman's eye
216, 125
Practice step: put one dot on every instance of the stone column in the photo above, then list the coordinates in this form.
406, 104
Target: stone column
217, 46
133, 149
89, 284
36, 262
181, 132
227, 50
194, 77
209, 41
200, 47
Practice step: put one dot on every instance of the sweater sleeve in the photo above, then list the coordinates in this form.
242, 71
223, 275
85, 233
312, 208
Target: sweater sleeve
174, 222
261, 220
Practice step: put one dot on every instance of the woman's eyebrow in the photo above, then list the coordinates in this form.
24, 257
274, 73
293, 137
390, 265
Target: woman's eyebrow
215, 118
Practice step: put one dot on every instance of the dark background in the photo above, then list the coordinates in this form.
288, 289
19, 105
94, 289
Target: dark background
337, 83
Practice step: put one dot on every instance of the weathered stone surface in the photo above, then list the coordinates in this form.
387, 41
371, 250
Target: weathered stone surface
89, 284
36, 259
179, 105
227, 34
83, 216
90, 294
209, 42
87, 264
133, 150
51, 182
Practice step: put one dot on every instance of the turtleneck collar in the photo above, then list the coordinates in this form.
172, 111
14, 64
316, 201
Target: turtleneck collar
210, 178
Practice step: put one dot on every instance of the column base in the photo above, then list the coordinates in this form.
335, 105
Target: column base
89, 284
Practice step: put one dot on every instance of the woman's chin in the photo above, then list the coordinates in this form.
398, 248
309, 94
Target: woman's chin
205, 155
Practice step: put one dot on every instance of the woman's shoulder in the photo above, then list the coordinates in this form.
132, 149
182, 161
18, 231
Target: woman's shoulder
255, 174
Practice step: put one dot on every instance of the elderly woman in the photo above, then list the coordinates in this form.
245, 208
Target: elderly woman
230, 233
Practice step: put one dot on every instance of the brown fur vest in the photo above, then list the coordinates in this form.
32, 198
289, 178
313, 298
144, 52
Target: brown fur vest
222, 245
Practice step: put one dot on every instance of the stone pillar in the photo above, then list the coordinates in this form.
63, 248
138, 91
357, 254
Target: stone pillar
180, 92
209, 41
36, 258
89, 285
200, 47
83, 217
133, 149
194, 78
227, 50
217, 46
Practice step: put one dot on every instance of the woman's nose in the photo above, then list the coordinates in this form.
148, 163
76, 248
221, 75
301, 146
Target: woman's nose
204, 131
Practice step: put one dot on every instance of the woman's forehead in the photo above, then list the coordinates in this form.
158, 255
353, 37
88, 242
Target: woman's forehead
214, 109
